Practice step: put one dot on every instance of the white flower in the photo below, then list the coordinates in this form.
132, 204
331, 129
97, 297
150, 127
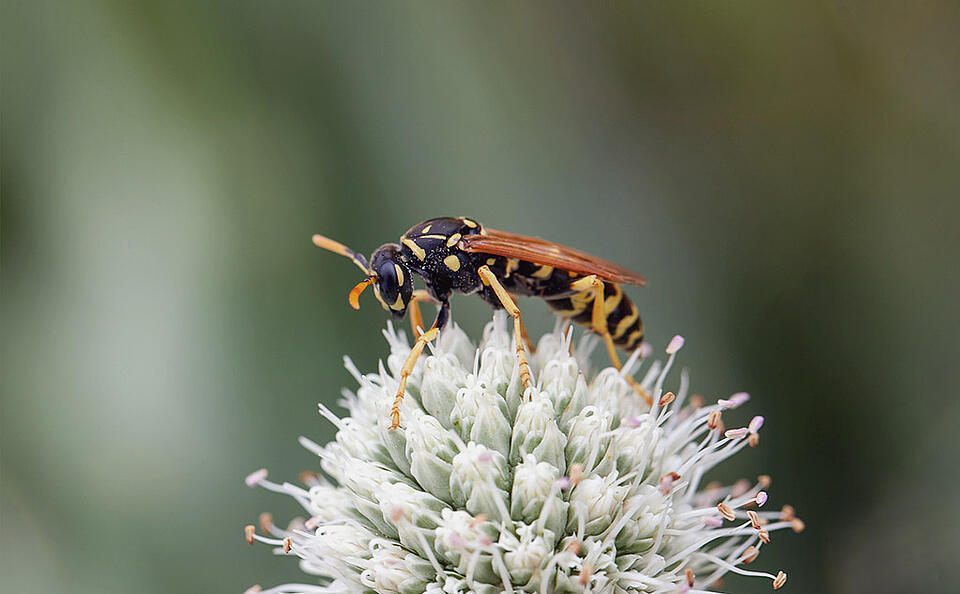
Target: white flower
573, 486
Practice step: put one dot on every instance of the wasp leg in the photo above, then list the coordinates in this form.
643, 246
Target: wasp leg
411, 361
525, 334
416, 317
490, 279
599, 322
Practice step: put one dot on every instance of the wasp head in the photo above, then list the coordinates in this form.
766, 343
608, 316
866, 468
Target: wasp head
391, 278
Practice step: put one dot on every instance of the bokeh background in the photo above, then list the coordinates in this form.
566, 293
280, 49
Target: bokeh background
785, 174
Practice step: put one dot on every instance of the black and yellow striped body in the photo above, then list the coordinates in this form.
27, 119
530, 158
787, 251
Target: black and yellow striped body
553, 286
431, 250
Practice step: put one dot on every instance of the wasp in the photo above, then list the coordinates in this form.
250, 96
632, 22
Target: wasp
459, 255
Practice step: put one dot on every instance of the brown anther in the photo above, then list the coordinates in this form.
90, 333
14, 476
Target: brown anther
750, 554
248, 531
797, 525
667, 398
668, 478
309, 477
713, 486
764, 480
740, 487
574, 546
787, 513
713, 419
689, 574
726, 512
477, 520
753, 439
763, 535
576, 473
266, 522
287, 544
717, 583
779, 581
396, 514
696, 401
585, 574
754, 519
721, 427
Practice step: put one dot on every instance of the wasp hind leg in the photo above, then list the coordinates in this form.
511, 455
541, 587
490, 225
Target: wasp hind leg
490, 279
599, 323
408, 365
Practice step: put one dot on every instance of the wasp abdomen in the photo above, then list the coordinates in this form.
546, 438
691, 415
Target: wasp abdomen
623, 319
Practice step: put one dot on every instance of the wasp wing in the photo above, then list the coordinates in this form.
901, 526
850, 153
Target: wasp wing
548, 253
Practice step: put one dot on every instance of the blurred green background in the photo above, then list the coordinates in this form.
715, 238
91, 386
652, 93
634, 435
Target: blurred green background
785, 174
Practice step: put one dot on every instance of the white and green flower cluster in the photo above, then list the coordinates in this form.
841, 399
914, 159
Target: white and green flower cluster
575, 485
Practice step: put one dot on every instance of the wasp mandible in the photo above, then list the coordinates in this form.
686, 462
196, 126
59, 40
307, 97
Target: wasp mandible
459, 255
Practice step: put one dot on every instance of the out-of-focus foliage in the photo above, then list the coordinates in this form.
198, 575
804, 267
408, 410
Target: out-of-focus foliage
785, 174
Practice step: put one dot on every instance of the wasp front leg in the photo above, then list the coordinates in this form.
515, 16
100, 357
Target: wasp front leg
490, 279
599, 323
416, 317
442, 316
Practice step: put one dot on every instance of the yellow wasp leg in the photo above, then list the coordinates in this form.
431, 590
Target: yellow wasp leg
599, 322
525, 334
490, 279
416, 318
407, 369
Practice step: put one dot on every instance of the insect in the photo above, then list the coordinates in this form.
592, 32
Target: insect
459, 255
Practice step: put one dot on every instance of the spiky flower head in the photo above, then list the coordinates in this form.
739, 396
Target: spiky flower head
575, 485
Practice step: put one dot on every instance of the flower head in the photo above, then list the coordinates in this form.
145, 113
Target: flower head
574, 485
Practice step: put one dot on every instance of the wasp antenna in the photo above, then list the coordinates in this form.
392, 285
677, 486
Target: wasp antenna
338, 248
354, 296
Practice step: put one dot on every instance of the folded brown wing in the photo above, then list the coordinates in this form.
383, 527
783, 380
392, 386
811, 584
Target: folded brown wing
547, 253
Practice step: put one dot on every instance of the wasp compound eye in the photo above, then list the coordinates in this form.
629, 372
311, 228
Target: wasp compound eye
394, 284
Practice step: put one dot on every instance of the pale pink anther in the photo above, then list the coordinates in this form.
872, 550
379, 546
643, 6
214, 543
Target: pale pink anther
666, 482
676, 343
253, 479
563, 482
736, 433
713, 521
253, 589
755, 424
739, 398
761, 498
632, 421
645, 350
485, 457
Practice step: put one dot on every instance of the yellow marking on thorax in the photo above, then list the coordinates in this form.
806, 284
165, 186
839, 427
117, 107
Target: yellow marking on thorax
426, 229
432, 236
452, 262
543, 272
416, 249
468, 222
453, 239
512, 264
491, 261
398, 304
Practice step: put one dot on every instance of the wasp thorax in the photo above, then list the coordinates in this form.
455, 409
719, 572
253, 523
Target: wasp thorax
392, 281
